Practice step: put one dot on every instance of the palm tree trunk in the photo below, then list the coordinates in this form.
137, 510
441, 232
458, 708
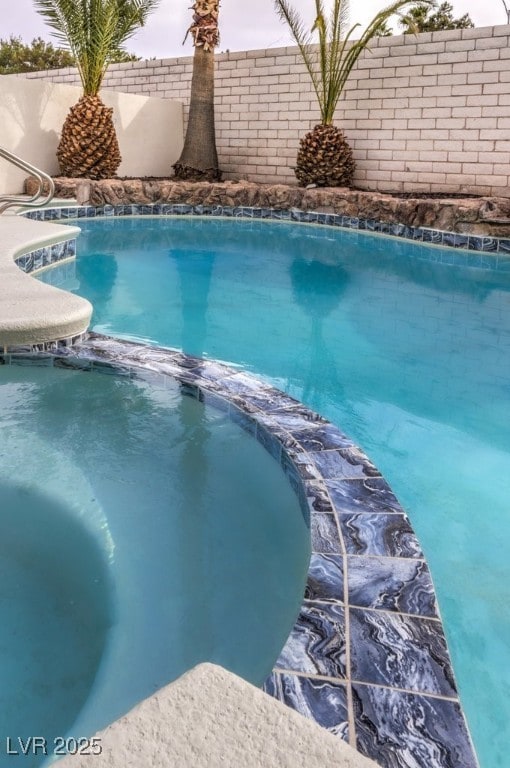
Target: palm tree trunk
199, 158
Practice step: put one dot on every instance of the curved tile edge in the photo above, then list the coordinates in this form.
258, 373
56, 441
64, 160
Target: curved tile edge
30, 311
476, 251
367, 658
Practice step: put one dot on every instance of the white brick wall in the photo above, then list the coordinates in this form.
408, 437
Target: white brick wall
428, 112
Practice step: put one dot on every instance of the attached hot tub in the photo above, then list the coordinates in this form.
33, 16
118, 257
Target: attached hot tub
142, 532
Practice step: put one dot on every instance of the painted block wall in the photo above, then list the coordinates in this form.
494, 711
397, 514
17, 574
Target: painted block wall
429, 112
32, 114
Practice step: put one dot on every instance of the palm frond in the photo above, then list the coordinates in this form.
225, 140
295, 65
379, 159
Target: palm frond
383, 16
94, 30
331, 67
340, 34
134, 14
358, 46
320, 24
304, 41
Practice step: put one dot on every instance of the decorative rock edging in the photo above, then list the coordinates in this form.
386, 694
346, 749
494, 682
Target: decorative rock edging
367, 658
485, 216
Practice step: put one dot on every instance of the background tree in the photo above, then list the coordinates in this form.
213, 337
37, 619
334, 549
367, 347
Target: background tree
17, 56
325, 157
37, 56
199, 158
507, 11
384, 30
94, 31
120, 56
432, 18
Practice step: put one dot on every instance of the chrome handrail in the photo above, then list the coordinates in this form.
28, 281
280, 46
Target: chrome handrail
6, 201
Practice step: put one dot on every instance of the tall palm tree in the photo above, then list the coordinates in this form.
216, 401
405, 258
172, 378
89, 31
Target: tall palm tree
324, 157
94, 31
199, 158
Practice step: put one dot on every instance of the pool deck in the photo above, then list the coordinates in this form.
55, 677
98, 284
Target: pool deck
30, 311
367, 658
210, 718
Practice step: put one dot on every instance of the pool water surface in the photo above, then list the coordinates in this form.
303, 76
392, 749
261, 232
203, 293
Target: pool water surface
404, 350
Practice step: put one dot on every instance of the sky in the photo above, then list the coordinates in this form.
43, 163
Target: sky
244, 24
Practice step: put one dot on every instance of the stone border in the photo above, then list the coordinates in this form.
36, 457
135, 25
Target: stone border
367, 658
483, 216
474, 244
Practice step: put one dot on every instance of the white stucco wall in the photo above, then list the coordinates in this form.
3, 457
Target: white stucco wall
32, 112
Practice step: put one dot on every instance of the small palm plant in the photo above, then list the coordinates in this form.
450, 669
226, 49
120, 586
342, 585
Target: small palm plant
94, 31
324, 157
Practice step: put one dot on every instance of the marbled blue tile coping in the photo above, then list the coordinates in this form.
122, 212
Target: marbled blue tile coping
47, 256
498, 247
367, 657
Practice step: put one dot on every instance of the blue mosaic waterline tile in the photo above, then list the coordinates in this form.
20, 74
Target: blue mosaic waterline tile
391, 584
388, 535
385, 718
323, 701
324, 536
405, 652
325, 578
371, 495
47, 256
468, 242
317, 642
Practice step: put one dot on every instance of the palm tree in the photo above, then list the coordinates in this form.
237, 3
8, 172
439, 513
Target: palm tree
325, 157
199, 158
94, 31
421, 18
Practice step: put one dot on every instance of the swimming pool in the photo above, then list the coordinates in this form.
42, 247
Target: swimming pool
404, 349
136, 541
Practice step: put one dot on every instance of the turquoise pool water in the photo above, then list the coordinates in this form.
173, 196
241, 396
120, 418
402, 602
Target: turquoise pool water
410, 356
136, 540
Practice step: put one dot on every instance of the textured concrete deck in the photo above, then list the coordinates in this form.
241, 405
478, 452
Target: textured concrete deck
209, 718
30, 311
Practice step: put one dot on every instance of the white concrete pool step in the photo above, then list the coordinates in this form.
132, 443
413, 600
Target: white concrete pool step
30, 311
210, 718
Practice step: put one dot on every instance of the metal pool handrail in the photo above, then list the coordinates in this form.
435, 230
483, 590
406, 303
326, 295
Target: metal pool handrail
39, 198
